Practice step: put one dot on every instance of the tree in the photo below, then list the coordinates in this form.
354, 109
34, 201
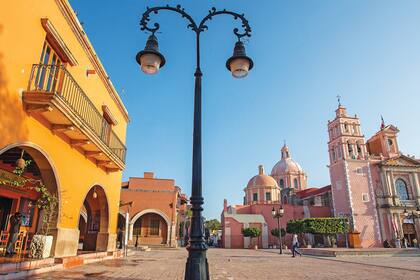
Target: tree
326, 225
251, 232
213, 225
275, 232
295, 227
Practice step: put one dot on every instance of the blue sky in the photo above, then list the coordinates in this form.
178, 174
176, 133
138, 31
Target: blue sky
305, 53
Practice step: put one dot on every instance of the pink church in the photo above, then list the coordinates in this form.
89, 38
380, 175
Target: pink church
287, 187
372, 184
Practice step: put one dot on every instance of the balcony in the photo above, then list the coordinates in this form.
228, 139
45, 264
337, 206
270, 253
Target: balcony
54, 95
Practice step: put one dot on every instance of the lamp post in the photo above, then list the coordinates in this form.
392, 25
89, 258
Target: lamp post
151, 60
277, 214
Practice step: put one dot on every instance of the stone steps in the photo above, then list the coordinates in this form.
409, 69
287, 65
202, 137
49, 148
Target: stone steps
26, 268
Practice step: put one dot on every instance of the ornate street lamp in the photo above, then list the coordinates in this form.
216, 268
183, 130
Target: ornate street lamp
151, 60
277, 215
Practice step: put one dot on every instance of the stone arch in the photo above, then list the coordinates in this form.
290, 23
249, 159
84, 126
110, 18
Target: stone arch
96, 208
49, 174
137, 216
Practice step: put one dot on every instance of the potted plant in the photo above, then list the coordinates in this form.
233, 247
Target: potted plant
252, 232
42, 242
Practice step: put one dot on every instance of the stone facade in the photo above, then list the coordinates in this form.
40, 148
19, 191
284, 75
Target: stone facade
373, 183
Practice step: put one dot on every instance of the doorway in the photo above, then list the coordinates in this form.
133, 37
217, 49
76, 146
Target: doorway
409, 233
5, 208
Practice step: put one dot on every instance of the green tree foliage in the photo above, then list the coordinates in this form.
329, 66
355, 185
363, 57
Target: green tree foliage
213, 225
251, 232
326, 225
295, 226
318, 226
275, 232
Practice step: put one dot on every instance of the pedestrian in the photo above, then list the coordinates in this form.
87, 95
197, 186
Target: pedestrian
295, 246
15, 223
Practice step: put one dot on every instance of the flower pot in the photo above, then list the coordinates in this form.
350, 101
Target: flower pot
41, 246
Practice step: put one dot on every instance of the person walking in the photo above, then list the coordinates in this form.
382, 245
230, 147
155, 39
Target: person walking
295, 246
15, 223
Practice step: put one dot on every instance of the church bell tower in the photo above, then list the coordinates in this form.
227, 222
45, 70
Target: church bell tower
351, 180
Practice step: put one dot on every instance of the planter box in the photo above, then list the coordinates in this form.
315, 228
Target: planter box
47, 240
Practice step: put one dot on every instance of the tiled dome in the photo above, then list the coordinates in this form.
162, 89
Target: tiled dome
262, 180
286, 164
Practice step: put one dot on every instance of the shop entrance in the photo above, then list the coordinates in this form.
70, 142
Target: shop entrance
5, 209
409, 233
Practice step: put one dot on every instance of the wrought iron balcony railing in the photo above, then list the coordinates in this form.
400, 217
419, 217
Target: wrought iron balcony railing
57, 81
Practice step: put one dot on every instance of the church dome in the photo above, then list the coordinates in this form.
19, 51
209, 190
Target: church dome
286, 164
262, 180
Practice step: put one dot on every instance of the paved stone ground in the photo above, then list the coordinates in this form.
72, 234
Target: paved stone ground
245, 264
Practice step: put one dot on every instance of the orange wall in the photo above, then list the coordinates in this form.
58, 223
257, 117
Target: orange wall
22, 38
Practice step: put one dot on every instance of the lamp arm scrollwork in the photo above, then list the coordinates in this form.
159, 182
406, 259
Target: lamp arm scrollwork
178, 9
214, 12
145, 20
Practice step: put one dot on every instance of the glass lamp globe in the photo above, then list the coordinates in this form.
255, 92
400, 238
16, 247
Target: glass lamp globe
150, 59
281, 211
150, 63
273, 212
239, 63
239, 67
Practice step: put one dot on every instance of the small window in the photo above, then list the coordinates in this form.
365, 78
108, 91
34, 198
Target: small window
365, 197
268, 196
350, 148
402, 190
295, 183
359, 149
154, 226
338, 185
281, 183
255, 197
333, 154
346, 128
359, 170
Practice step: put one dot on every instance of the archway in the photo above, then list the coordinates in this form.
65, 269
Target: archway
151, 227
94, 234
23, 198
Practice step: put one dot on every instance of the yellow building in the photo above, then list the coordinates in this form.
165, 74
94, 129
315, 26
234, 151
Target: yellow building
59, 109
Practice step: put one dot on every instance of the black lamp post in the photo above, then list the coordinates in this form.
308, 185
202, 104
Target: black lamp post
277, 215
150, 60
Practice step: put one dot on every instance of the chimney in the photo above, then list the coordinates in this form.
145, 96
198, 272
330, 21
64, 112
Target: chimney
148, 175
260, 170
225, 204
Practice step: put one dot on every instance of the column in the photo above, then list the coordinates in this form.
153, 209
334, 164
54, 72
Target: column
130, 231
264, 234
395, 198
415, 177
247, 240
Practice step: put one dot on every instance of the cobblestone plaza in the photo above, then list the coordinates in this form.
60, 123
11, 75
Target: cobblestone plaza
245, 264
